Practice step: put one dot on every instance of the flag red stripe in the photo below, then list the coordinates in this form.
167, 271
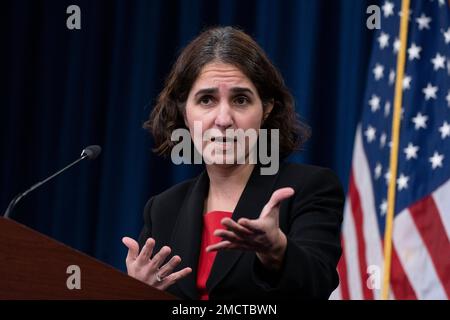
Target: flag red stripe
428, 221
399, 281
358, 218
342, 270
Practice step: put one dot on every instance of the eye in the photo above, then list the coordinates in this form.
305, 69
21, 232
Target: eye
205, 100
241, 100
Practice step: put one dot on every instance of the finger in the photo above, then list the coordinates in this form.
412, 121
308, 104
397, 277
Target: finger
228, 235
238, 229
280, 195
253, 225
228, 245
276, 198
174, 277
169, 266
159, 258
146, 251
133, 248
219, 246
238, 243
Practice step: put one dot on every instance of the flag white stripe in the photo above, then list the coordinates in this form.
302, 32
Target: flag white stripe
336, 294
362, 174
351, 254
440, 197
415, 258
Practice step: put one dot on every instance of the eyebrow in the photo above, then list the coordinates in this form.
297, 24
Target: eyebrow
234, 90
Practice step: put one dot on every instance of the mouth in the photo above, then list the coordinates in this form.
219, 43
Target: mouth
224, 139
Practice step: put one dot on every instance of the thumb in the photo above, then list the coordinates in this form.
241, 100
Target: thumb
133, 248
276, 198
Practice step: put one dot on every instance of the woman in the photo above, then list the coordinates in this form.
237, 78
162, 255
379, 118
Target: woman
236, 232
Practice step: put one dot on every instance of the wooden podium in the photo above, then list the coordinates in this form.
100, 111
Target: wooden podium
34, 266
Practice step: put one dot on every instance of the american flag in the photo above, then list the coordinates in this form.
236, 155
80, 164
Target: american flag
420, 258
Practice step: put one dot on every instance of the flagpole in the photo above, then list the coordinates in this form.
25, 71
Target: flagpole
393, 161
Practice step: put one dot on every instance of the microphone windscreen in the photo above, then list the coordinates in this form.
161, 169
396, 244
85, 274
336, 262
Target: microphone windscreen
92, 152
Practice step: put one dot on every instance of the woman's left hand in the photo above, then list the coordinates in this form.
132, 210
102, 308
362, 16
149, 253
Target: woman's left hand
262, 235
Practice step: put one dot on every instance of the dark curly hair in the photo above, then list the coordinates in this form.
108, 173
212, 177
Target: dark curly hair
232, 46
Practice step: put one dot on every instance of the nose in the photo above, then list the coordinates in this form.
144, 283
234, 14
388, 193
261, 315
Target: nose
224, 118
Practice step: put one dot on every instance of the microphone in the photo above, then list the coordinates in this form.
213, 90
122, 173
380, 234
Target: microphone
90, 153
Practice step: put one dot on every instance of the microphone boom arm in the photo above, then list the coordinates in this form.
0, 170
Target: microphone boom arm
87, 153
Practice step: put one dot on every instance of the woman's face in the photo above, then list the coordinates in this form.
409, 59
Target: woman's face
222, 98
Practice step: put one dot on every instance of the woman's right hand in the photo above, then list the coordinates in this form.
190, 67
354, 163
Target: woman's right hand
150, 270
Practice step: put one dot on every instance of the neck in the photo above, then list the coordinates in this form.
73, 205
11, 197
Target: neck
226, 184
229, 177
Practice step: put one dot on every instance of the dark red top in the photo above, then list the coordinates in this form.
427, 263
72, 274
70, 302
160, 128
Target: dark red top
211, 222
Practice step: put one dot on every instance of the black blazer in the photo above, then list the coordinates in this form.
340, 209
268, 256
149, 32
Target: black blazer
311, 220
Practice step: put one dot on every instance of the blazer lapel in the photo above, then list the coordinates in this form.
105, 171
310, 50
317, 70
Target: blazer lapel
256, 194
186, 236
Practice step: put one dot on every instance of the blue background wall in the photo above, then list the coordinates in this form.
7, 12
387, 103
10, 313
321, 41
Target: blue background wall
63, 90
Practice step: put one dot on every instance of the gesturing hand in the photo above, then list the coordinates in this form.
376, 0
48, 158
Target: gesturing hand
261, 235
141, 267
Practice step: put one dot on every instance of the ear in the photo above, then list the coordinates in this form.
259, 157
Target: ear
268, 109
185, 120
182, 110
